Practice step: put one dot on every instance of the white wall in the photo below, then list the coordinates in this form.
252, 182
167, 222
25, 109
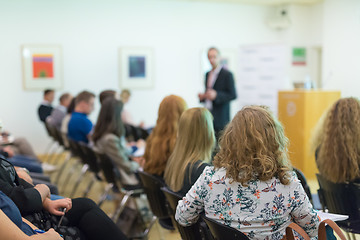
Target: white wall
91, 32
341, 46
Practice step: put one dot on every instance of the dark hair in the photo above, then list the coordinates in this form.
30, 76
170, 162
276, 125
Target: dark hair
84, 96
47, 91
71, 106
64, 96
105, 94
109, 119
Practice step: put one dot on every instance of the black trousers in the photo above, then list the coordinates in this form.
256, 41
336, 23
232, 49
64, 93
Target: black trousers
93, 223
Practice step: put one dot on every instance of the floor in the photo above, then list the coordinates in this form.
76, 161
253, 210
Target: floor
66, 184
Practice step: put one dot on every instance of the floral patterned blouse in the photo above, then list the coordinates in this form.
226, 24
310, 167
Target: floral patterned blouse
262, 210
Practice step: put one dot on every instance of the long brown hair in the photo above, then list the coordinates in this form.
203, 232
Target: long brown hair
195, 141
338, 140
253, 146
161, 141
109, 119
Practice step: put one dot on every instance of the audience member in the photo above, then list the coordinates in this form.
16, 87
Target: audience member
109, 138
83, 218
58, 114
15, 228
45, 107
251, 186
66, 120
161, 142
105, 94
80, 127
192, 152
336, 140
126, 115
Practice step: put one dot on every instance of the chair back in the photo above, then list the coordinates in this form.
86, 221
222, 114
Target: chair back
222, 232
152, 187
90, 157
74, 148
341, 198
304, 183
109, 170
187, 233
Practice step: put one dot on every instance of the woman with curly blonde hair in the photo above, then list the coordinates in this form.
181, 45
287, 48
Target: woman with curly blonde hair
251, 186
161, 142
337, 141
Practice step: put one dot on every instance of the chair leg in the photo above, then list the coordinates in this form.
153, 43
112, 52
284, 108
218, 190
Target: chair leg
67, 179
122, 205
151, 224
106, 192
57, 156
61, 169
91, 183
84, 169
51, 151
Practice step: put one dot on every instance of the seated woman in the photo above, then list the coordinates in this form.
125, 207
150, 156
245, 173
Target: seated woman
83, 218
193, 149
336, 140
251, 186
109, 138
161, 142
13, 227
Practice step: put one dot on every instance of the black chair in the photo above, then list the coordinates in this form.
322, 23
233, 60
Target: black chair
222, 232
113, 178
157, 201
304, 183
193, 232
90, 161
341, 198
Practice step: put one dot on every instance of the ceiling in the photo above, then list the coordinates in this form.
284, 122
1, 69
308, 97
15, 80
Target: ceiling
262, 2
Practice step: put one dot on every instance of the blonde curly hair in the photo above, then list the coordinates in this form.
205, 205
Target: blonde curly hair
337, 140
253, 146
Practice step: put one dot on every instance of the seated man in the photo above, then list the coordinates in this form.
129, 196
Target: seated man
45, 107
80, 126
58, 114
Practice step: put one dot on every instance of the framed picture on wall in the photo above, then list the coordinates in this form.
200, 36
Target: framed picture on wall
42, 67
136, 68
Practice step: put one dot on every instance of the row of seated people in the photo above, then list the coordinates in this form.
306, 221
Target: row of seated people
249, 185
83, 220
250, 172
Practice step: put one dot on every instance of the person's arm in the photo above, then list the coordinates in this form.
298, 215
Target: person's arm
303, 212
8, 230
189, 208
117, 152
43, 190
229, 92
25, 196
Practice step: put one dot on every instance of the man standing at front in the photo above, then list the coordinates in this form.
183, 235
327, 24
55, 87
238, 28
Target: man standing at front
220, 90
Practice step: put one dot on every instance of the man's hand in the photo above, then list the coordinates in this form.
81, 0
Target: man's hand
53, 207
211, 94
201, 96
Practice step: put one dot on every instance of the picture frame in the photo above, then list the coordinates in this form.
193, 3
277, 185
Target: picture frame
42, 67
135, 68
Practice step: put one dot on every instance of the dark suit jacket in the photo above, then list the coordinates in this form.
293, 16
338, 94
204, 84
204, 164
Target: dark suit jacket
225, 88
44, 111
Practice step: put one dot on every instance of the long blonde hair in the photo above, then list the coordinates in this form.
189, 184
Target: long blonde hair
337, 137
195, 142
253, 146
160, 143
